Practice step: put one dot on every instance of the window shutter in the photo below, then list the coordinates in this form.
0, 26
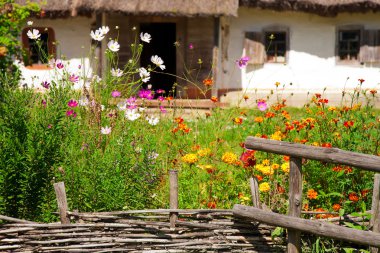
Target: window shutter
370, 48
254, 47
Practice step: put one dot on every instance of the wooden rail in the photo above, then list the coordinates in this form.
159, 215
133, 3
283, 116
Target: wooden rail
292, 222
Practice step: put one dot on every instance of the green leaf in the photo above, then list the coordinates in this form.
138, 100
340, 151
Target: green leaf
278, 231
341, 212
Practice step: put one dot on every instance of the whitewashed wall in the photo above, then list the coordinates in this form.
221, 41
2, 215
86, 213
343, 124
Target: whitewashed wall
311, 62
73, 35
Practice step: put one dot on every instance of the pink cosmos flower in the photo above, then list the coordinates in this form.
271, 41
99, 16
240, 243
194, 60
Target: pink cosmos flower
191, 46
147, 94
115, 94
72, 103
242, 62
131, 103
49, 126
161, 98
160, 91
262, 105
43, 102
73, 78
45, 84
162, 109
71, 113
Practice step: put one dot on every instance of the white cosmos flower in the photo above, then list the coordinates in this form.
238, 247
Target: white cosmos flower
116, 72
158, 61
29, 22
113, 46
132, 115
104, 30
105, 130
33, 34
83, 101
97, 35
122, 106
152, 120
144, 74
145, 37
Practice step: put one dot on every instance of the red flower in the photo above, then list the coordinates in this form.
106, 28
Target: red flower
211, 204
326, 145
214, 99
361, 80
248, 158
348, 124
353, 197
336, 207
208, 82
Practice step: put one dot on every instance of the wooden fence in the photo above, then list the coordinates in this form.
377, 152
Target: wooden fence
292, 221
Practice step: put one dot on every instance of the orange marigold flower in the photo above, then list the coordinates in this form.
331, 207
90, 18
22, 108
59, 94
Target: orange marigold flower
305, 207
336, 207
178, 120
269, 115
280, 189
277, 84
320, 216
361, 80
337, 168
373, 92
245, 97
211, 204
229, 158
347, 170
326, 145
208, 114
312, 194
259, 119
238, 121
318, 95
208, 82
286, 158
214, 99
169, 98
353, 197
364, 192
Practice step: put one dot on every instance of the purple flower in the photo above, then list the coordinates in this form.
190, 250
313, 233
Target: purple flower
71, 113
160, 91
59, 64
262, 105
146, 94
79, 66
45, 84
73, 78
242, 62
191, 46
49, 126
131, 103
72, 103
43, 102
161, 98
115, 94
162, 109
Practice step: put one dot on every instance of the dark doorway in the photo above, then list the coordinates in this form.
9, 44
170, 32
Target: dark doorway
162, 44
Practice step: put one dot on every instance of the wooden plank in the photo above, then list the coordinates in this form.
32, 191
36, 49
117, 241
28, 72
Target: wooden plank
295, 201
316, 227
330, 155
163, 211
255, 192
60, 192
173, 181
375, 218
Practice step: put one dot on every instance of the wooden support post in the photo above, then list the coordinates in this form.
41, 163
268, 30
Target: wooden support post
375, 219
62, 202
255, 192
295, 202
173, 181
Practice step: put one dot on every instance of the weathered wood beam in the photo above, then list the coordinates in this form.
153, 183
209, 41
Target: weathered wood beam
329, 155
6, 218
173, 182
60, 192
375, 218
324, 229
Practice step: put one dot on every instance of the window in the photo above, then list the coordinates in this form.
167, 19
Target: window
271, 45
275, 46
38, 55
349, 45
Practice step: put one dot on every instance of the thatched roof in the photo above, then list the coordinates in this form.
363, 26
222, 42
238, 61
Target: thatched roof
143, 7
319, 7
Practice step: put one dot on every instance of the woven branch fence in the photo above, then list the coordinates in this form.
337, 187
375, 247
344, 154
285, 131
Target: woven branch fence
141, 231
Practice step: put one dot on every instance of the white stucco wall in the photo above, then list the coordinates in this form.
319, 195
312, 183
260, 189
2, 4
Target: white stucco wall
73, 36
311, 62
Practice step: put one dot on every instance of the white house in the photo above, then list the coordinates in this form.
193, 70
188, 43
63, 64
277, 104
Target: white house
310, 46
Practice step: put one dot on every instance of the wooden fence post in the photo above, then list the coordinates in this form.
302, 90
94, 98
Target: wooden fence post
375, 218
62, 202
173, 182
295, 202
255, 192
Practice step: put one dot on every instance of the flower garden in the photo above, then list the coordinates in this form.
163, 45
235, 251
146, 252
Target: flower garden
114, 153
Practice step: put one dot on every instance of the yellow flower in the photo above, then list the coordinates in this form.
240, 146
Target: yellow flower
267, 170
266, 162
276, 136
258, 135
285, 167
190, 158
229, 158
332, 108
204, 152
264, 187
275, 166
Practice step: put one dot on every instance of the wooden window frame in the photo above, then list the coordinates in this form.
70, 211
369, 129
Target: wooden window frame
50, 44
272, 30
340, 29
